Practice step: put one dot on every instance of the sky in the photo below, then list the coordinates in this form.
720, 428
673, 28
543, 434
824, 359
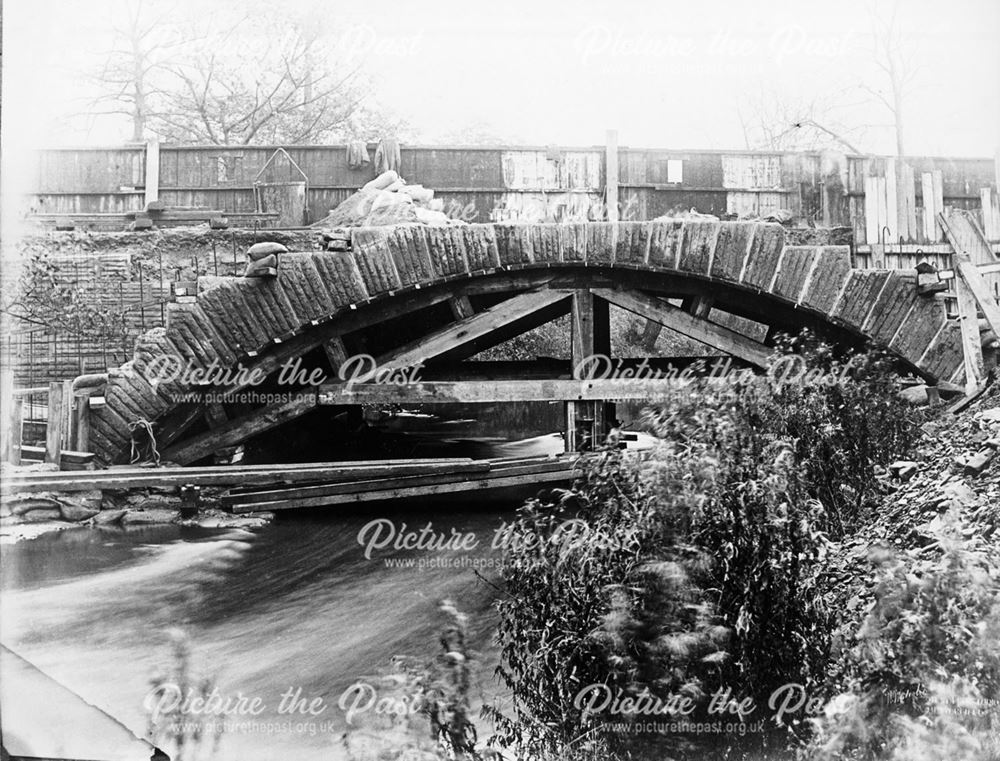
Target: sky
664, 74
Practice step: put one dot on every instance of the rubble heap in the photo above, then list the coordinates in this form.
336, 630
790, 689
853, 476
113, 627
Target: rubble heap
956, 471
388, 200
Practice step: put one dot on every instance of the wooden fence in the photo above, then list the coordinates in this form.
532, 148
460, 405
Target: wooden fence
883, 200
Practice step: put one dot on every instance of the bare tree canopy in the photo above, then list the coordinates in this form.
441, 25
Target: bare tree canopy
842, 119
259, 77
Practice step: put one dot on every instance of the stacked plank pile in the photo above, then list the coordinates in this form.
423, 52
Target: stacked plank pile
157, 214
432, 478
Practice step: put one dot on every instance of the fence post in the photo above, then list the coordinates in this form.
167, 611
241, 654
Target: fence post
55, 426
81, 423
611, 175
152, 171
10, 420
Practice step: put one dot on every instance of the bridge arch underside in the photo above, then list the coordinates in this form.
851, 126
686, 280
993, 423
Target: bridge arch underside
410, 295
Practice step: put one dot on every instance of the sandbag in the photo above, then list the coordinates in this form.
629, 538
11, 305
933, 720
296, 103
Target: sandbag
385, 198
383, 181
260, 265
419, 193
258, 251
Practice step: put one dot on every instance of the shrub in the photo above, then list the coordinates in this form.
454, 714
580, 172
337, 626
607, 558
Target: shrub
921, 675
699, 568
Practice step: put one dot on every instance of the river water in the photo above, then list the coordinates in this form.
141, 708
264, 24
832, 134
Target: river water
295, 605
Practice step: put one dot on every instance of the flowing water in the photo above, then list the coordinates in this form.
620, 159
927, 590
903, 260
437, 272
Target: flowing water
294, 605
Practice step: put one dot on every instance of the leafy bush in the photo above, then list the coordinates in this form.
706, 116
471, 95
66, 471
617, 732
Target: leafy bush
699, 565
921, 675
843, 415
428, 718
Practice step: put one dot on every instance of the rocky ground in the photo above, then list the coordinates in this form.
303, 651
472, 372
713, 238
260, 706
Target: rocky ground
27, 516
955, 473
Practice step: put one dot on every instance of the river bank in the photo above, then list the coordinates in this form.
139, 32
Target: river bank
28, 516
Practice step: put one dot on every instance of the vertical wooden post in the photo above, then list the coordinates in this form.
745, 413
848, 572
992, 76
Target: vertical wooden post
937, 184
336, 352
55, 427
69, 415
152, 171
891, 201
611, 175
930, 213
972, 347
16, 421
590, 334
8, 421
81, 423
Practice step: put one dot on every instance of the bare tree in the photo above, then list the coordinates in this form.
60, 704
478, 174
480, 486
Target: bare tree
253, 76
831, 120
896, 62
144, 46
779, 123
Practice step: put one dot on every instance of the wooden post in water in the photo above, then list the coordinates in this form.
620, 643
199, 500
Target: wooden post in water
590, 334
55, 427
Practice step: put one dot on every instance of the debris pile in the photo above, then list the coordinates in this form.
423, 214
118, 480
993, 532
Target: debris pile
954, 475
387, 200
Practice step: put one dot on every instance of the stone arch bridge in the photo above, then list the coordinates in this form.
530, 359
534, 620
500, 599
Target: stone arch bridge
439, 295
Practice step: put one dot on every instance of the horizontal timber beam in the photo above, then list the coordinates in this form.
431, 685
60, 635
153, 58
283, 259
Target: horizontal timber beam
472, 392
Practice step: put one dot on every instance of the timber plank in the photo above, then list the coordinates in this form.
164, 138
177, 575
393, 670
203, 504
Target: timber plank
573, 242
447, 254
374, 260
385, 477
830, 270
238, 430
698, 246
796, 263
495, 391
765, 252
342, 277
245, 477
545, 243
232, 324
601, 243
633, 243
890, 309
408, 246
513, 244
481, 247
725, 340
292, 280
272, 289
858, 298
945, 354
477, 328
915, 334
237, 294
371, 491
732, 249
